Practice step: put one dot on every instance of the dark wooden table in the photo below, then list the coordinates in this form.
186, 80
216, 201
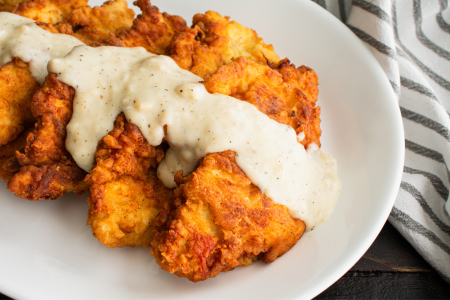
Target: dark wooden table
390, 269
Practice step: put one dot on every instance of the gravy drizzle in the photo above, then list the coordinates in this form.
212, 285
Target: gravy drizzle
154, 92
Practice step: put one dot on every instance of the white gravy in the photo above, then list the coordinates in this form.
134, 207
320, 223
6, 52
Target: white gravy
21, 38
153, 91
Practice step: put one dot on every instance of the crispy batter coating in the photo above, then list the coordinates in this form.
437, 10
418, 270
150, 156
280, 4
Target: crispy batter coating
52, 106
151, 29
8, 5
222, 221
285, 94
47, 182
214, 41
48, 11
8, 161
48, 171
93, 25
63, 28
126, 196
17, 87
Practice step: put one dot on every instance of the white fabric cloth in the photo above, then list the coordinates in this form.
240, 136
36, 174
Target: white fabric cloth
411, 41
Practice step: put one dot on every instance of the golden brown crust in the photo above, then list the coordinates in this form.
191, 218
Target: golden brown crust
93, 25
8, 5
285, 94
48, 11
47, 182
214, 41
8, 161
151, 29
62, 28
221, 221
45, 157
52, 107
17, 87
126, 196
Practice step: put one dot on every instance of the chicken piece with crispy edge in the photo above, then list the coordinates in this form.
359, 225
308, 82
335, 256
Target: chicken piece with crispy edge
8, 161
93, 25
48, 11
200, 241
222, 221
286, 94
151, 30
48, 170
126, 196
17, 87
214, 41
8, 5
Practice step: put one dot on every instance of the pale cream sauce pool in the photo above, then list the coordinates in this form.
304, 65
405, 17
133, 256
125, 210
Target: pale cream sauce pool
153, 92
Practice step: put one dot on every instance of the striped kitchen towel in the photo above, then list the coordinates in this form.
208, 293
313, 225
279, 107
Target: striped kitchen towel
411, 41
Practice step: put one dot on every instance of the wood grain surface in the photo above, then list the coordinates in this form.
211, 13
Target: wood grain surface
390, 269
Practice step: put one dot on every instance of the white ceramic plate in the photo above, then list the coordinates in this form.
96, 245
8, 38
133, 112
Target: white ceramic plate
47, 252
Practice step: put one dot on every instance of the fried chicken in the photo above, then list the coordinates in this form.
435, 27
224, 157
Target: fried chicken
126, 196
285, 94
8, 161
48, 11
93, 25
17, 87
275, 92
48, 171
8, 5
151, 30
214, 41
216, 219
221, 221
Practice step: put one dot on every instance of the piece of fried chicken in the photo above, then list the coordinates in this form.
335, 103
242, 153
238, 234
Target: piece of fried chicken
126, 196
48, 11
8, 161
8, 5
286, 94
214, 41
48, 171
93, 25
221, 221
151, 29
17, 87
